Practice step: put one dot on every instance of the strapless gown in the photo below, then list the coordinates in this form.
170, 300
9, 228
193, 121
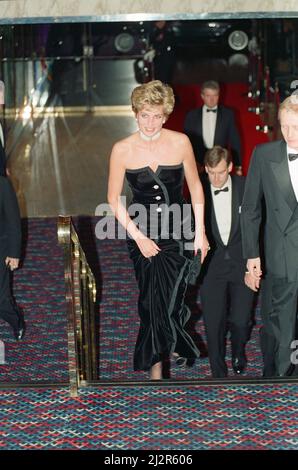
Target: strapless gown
162, 279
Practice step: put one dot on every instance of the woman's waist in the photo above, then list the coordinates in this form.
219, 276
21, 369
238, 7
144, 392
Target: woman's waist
163, 217
152, 201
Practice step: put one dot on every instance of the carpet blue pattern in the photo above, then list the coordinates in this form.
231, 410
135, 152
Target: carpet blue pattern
197, 418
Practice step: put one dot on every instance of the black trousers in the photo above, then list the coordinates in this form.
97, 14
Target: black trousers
279, 311
227, 306
8, 309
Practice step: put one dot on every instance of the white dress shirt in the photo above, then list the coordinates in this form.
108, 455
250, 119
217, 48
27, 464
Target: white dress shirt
208, 126
293, 169
222, 204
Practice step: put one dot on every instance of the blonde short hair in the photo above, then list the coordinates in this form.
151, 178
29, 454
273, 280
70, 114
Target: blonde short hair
289, 104
154, 93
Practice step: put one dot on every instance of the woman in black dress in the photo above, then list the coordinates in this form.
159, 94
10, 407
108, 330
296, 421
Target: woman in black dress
163, 236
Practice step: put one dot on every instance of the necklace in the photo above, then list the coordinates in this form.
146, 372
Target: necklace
148, 138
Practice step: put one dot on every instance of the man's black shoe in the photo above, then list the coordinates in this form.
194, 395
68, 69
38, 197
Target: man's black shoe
19, 332
239, 364
181, 361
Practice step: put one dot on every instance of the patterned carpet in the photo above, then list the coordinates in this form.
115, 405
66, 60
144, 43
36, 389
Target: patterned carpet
196, 418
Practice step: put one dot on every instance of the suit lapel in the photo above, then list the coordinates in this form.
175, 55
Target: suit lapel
294, 217
210, 212
295, 214
200, 121
235, 210
218, 125
280, 168
215, 228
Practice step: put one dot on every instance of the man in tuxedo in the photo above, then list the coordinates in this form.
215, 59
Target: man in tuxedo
273, 177
10, 246
212, 124
226, 300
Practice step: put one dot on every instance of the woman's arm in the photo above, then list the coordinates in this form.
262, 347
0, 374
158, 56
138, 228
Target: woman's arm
197, 197
115, 184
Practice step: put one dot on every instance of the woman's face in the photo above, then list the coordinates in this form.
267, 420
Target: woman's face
150, 119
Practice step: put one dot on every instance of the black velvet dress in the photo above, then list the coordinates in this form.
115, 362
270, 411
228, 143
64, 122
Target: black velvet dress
162, 279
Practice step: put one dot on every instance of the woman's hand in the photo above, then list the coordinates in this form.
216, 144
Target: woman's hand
147, 247
201, 243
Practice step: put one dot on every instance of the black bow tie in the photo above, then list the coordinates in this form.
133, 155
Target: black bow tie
217, 191
211, 110
293, 156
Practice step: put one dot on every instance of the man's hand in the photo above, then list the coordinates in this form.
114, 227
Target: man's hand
251, 282
12, 263
254, 270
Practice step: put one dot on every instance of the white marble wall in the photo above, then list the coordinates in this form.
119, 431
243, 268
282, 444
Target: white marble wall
103, 9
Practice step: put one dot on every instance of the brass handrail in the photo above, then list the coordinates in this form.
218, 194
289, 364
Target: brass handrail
80, 294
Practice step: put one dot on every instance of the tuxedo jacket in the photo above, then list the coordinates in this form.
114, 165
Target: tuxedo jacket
2, 161
269, 179
226, 133
10, 222
219, 252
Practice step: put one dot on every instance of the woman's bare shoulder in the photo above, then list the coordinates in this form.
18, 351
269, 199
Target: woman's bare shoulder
177, 137
123, 149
